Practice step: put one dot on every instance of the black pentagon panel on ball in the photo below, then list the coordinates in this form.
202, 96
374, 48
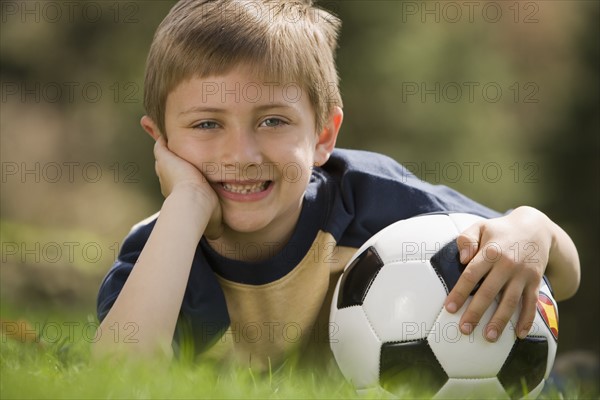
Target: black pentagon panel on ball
448, 267
408, 366
358, 277
524, 366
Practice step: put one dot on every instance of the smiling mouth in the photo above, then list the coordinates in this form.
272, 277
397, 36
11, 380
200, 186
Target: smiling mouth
256, 187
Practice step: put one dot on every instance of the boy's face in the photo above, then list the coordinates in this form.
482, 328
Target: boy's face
255, 142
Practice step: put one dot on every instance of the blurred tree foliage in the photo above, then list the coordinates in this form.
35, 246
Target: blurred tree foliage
420, 83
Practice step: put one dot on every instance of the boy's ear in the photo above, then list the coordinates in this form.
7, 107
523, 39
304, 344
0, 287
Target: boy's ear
328, 136
150, 127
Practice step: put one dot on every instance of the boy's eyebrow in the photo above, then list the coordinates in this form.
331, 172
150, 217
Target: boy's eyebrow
201, 109
274, 105
221, 110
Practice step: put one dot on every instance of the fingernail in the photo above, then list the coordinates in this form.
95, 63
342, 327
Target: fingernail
466, 328
463, 255
451, 307
523, 333
492, 335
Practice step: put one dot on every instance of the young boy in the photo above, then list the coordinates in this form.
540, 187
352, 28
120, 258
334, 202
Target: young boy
261, 214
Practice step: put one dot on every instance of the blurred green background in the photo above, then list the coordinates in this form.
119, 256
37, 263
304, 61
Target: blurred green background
498, 100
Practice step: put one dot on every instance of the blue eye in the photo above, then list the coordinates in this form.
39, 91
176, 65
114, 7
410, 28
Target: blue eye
207, 125
273, 122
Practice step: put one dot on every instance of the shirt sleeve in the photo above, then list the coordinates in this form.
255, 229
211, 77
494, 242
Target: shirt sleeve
203, 316
115, 278
374, 191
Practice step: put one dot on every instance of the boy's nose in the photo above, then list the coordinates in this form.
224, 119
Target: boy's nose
242, 148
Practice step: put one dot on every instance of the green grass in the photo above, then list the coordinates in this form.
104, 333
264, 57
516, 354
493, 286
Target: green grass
64, 371
60, 368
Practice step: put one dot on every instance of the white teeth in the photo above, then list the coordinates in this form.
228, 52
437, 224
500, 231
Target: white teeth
245, 189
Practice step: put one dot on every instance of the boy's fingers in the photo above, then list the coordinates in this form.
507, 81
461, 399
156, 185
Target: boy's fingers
527, 316
162, 154
157, 150
468, 242
156, 169
484, 297
508, 304
159, 146
470, 277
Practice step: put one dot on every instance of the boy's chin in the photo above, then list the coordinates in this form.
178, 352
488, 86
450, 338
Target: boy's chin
244, 224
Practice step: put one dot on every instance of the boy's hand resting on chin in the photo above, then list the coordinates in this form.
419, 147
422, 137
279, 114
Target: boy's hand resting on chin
177, 175
509, 255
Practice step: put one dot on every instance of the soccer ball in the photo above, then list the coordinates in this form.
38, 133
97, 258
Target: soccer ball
389, 331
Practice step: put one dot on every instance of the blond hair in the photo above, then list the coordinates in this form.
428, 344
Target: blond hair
285, 41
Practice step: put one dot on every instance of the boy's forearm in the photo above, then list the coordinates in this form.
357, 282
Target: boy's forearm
563, 268
151, 298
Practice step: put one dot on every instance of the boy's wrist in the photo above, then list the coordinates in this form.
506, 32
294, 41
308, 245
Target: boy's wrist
544, 223
192, 197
